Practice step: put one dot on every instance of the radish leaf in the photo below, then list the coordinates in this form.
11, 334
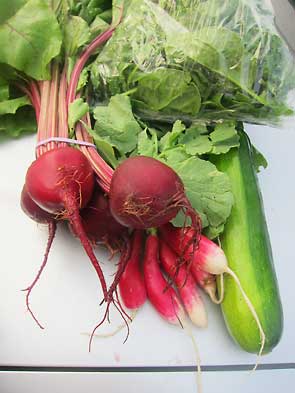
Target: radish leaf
116, 124
208, 189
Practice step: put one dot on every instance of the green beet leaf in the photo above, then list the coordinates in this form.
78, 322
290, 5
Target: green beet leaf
11, 106
170, 139
199, 139
22, 122
33, 29
104, 148
195, 142
76, 34
259, 161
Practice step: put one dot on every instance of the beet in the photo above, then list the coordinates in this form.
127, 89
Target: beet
61, 181
99, 223
145, 193
32, 210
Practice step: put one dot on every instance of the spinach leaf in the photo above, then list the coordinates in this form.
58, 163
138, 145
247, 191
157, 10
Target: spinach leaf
169, 90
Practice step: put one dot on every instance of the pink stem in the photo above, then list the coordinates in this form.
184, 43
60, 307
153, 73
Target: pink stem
36, 95
102, 38
103, 171
101, 168
42, 123
32, 98
52, 108
62, 105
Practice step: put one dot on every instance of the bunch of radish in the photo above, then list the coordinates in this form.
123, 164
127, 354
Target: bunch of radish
155, 271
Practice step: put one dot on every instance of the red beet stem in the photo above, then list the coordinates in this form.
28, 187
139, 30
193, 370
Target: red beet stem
101, 39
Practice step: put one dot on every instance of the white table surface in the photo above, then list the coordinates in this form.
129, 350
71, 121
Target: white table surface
67, 296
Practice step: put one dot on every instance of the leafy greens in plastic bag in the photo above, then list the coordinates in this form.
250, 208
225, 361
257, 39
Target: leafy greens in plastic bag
198, 61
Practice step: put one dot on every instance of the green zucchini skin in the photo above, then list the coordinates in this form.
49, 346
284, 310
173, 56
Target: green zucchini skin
246, 243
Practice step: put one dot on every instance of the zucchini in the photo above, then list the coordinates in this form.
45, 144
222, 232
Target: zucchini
246, 243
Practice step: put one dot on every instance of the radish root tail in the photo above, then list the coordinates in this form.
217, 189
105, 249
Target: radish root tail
198, 357
254, 314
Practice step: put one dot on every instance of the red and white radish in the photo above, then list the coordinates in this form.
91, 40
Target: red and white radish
131, 284
162, 296
207, 282
209, 257
187, 288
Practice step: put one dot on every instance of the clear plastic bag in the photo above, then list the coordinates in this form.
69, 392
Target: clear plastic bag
199, 60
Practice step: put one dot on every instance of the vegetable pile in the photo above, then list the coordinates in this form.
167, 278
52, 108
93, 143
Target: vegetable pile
138, 109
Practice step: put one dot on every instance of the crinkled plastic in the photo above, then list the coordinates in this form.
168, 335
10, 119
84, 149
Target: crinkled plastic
199, 60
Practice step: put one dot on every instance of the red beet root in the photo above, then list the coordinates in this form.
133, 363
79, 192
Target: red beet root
146, 193
61, 182
32, 210
98, 222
